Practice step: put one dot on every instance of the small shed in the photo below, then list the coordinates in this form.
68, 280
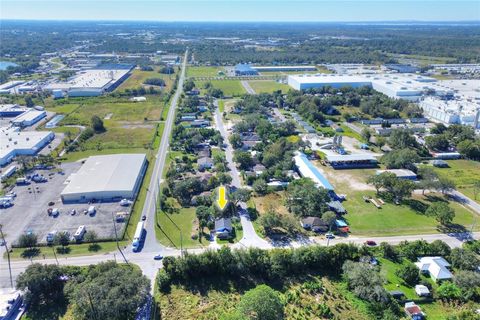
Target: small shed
223, 228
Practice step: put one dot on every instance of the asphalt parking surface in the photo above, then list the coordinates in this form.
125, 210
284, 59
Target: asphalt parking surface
29, 212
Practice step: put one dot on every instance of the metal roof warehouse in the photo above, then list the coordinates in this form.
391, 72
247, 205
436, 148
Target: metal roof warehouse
308, 170
106, 178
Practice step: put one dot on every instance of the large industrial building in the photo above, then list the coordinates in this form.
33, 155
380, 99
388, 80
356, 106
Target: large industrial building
93, 82
455, 111
28, 118
405, 86
14, 142
106, 178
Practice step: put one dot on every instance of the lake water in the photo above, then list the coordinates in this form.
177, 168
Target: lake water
5, 64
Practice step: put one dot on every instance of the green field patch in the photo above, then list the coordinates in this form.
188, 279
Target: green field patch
464, 173
229, 87
138, 77
268, 86
204, 71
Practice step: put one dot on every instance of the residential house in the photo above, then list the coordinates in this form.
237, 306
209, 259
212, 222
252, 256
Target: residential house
397, 294
200, 123
204, 163
315, 224
259, 169
436, 267
223, 228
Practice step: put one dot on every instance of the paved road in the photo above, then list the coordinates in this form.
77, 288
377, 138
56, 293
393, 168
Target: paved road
247, 87
460, 197
279, 115
250, 237
151, 245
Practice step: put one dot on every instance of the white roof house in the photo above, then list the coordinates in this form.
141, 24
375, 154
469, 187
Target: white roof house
106, 178
436, 267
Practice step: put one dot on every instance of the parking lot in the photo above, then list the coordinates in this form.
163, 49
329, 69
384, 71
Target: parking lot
29, 212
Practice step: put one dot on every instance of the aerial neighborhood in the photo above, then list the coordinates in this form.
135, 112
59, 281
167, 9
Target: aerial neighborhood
154, 170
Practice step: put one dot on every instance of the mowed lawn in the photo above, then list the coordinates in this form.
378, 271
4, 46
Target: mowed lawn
229, 87
168, 233
204, 71
138, 77
464, 173
405, 219
268, 86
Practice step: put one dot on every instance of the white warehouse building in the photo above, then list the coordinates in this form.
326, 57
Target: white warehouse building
456, 111
106, 178
92, 82
405, 86
15, 143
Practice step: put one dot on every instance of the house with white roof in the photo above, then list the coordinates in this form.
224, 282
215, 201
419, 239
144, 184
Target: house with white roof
436, 267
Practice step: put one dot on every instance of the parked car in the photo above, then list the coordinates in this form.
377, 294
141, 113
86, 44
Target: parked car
329, 236
158, 257
73, 212
370, 243
144, 218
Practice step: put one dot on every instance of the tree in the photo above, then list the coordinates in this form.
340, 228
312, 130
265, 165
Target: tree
304, 198
41, 284
470, 149
29, 101
464, 259
409, 273
28, 240
402, 139
469, 284
117, 292
442, 212
91, 236
235, 140
437, 142
155, 82
365, 282
329, 217
445, 185
62, 239
260, 187
449, 291
366, 134
240, 195
97, 124
402, 158
261, 303
188, 85
244, 159
429, 178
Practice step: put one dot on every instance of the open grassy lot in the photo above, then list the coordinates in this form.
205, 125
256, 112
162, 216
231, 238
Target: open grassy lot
204, 71
268, 86
229, 87
408, 218
118, 109
138, 77
217, 298
464, 173
169, 235
63, 108
119, 138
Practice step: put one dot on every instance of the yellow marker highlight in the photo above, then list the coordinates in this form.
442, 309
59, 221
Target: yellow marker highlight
222, 197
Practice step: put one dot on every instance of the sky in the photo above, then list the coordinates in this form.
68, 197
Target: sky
243, 10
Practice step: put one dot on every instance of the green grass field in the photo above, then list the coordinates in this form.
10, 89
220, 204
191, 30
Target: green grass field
169, 235
366, 220
204, 71
464, 173
268, 86
229, 87
138, 77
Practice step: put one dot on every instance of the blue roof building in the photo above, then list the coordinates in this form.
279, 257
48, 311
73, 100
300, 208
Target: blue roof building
308, 170
245, 69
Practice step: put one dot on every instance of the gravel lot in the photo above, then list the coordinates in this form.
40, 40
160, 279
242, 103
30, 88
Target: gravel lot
29, 212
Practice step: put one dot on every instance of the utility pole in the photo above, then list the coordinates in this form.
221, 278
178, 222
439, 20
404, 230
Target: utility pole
116, 239
8, 255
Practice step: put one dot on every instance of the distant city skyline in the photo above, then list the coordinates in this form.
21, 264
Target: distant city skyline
238, 11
